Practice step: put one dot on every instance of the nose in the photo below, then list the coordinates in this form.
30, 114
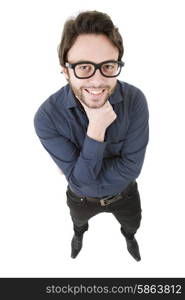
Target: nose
97, 77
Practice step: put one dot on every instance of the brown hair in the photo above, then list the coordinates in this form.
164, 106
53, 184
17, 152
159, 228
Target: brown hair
88, 22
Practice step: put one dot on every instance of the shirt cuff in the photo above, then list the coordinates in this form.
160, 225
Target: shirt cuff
93, 148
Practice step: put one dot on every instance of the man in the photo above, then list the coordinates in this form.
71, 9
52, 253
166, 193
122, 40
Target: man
96, 128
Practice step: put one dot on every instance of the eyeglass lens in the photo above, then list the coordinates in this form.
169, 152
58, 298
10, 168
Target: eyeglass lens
108, 69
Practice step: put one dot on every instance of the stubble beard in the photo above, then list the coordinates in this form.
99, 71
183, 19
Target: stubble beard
80, 95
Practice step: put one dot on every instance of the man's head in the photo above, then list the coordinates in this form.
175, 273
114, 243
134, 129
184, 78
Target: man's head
91, 37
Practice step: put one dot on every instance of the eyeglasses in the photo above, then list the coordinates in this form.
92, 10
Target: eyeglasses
86, 69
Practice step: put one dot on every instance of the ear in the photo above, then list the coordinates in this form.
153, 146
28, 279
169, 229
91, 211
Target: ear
65, 71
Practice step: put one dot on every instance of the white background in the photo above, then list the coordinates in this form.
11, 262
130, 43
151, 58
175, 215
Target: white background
35, 225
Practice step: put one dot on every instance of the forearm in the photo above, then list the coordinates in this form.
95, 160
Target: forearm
89, 162
81, 166
121, 170
115, 174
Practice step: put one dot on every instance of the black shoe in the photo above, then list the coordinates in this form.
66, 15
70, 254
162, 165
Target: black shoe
76, 245
133, 248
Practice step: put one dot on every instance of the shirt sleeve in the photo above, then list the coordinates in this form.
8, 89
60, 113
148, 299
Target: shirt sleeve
128, 166
89, 166
79, 167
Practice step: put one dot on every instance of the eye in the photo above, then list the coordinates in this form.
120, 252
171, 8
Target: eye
84, 67
109, 66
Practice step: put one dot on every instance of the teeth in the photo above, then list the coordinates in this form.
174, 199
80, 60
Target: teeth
95, 92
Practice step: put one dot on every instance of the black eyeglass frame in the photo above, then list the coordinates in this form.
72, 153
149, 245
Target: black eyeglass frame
96, 66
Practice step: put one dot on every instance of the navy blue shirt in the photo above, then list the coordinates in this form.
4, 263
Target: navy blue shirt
93, 168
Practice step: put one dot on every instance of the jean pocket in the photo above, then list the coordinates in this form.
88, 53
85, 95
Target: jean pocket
74, 200
133, 201
133, 191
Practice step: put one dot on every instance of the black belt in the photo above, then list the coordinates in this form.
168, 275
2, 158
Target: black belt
108, 199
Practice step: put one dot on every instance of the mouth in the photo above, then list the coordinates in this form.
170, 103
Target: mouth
95, 92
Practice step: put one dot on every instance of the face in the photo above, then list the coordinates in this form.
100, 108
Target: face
96, 90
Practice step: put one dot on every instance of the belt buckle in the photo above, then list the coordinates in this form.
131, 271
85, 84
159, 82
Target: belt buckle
104, 201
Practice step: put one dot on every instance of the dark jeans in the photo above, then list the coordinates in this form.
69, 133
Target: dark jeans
127, 211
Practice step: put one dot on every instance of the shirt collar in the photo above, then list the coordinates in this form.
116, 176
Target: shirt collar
116, 97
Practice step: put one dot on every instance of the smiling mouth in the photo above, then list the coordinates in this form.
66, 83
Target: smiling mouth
97, 92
